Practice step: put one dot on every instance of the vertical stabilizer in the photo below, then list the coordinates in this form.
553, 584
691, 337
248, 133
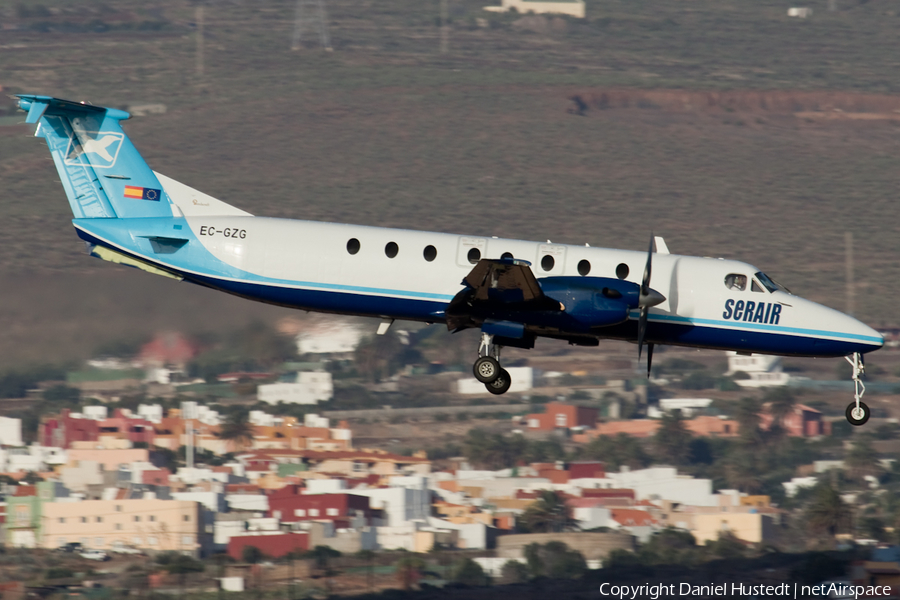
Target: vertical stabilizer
103, 174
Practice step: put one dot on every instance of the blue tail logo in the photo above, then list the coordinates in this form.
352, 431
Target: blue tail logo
103, 145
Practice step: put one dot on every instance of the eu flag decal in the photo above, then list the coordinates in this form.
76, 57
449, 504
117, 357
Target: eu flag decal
142, 193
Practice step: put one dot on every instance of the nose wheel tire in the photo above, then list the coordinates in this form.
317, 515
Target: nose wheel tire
858, 416
487, 369
501, 384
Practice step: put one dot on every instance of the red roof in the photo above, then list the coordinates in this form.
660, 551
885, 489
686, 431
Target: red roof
632, 517
585, 502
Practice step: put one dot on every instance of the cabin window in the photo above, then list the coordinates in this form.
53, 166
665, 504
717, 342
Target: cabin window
584, 267
353, 245
391, 249
755, 286
622, 271
547, 262
506, 255
736, 282
474, 255
430, 253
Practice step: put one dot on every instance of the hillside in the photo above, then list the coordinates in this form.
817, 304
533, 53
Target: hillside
726, 127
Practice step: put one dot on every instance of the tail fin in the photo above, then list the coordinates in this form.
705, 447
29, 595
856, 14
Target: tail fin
103, 174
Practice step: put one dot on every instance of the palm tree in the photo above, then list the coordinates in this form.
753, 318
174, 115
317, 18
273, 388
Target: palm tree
549, 513
747, 416
828, 513
781, 403
742, 472
238, 429
672, 440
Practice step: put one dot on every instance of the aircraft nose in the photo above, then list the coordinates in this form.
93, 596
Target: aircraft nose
839, 333
868, 335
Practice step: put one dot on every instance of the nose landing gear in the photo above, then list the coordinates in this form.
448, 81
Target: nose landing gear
857, 412
487, 368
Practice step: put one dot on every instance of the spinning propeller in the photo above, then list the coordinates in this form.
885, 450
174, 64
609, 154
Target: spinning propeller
649, 297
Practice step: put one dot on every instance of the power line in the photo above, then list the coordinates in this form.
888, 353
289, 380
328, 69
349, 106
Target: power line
310, 17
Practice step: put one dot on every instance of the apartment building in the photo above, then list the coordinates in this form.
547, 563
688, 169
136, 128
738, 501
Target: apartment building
150, 524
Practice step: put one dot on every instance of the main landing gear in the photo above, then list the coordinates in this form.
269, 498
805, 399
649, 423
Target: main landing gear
487, 368
858, 413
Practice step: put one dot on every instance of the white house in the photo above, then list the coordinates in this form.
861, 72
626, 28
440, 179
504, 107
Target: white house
664, 483
687, 406
573, 8
10, 431
310, 388
400, 504
764, 371
328, 335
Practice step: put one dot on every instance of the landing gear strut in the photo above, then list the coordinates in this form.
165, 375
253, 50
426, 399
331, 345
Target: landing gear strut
858, 413
487, 368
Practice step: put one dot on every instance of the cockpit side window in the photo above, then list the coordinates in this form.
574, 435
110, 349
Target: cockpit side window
736, 282
755, 287
770, 283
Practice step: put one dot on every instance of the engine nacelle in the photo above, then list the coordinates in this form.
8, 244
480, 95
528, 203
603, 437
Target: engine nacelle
593, 301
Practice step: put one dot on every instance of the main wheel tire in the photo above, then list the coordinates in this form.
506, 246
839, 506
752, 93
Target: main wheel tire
858, 417
486, 369
501, 384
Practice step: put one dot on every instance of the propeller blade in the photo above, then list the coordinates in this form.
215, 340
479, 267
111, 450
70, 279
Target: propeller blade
645, 301
649, 358
645, 281
642, 329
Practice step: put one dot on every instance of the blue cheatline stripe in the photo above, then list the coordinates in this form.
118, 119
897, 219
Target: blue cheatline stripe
758, 327
251, 278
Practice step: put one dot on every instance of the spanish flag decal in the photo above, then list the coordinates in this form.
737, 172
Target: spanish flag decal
142, 193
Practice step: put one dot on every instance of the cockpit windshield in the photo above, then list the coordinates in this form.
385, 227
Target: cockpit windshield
771, 284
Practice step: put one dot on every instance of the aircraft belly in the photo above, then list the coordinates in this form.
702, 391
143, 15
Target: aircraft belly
322, 300
787, 342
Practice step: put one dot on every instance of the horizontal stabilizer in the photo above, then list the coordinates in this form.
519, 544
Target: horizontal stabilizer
195, 203
114, 256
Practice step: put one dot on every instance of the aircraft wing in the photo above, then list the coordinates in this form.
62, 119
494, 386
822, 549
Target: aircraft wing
497, 285
503, 280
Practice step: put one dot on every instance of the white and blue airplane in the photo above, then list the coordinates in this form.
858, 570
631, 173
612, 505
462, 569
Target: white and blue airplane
513, 291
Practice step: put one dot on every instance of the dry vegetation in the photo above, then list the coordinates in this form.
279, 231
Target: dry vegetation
386, 131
